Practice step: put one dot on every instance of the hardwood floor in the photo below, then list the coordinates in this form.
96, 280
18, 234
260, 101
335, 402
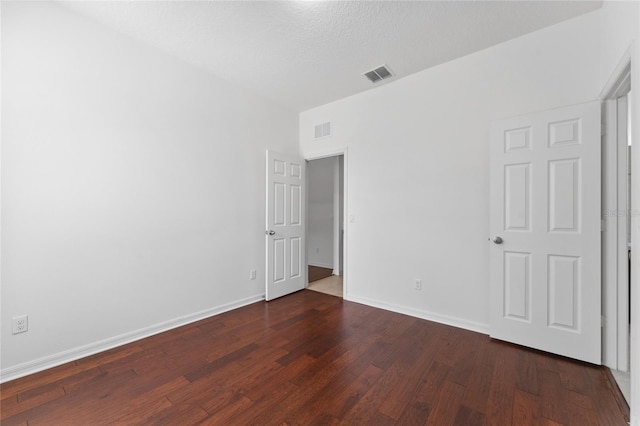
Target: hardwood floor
310, 358
317, 273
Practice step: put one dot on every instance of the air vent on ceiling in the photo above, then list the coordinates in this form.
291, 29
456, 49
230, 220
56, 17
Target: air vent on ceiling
378, 74
322, 130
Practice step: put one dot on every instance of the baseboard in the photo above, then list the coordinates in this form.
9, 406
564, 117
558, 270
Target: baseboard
321, 265
60, 358
430, 316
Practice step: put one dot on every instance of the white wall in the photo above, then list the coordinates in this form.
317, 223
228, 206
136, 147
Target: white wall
132, 187
320, 213
418, 170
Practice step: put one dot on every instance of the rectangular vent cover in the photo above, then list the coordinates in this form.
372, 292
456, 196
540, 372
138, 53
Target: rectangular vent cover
378, 74
322, 130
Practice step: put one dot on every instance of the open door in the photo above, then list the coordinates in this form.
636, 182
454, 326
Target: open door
545, 231
285, 233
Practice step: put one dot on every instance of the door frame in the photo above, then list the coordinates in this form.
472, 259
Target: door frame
630, 57
316, 155
615, 270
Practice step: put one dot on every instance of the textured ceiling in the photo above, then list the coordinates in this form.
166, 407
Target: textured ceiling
307, 53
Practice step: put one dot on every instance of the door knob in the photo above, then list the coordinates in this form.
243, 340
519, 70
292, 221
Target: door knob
271, 232
498, 240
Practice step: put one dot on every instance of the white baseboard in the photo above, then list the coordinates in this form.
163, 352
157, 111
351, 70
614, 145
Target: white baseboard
430, 316
73, 354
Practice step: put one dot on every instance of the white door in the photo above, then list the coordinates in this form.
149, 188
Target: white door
545, 231
285, 235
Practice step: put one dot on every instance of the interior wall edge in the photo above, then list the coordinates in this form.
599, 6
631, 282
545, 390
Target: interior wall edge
70, 355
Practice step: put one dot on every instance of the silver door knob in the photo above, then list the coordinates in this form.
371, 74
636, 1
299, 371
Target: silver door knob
270, 232
497, 240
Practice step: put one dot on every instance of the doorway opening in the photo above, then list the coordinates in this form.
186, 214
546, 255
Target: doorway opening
616, 237
325, 225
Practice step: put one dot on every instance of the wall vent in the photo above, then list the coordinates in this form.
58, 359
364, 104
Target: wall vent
378, 74
322, 130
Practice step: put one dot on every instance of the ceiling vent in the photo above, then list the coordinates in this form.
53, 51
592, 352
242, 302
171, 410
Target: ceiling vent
322, 130
378, 74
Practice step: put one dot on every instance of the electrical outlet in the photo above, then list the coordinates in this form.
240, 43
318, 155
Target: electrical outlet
417, 285
20, 324
252, 274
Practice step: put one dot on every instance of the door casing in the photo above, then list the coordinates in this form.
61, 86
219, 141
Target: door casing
345, 264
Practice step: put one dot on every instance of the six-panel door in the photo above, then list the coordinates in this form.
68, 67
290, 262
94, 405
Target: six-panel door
545, 205
285, 264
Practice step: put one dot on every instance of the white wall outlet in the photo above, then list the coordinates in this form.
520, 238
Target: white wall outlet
417, 284
252, 274
20, 324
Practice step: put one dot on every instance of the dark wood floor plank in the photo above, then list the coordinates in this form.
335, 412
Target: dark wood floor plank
553, 399
468, 417
464, 358
547, 422
415, 413
353, 354
477, 389
499, 409
431, 384
574, 376
405, 347
366, 410
328, 373
406, 387
221, 362
601, 393
583, 409
337, 404
183, 414
31, 398
527, 372
142, 411
11, 422
526, 408
78, 408
266, 404
258, 385
310, 358
419, 408
43, 378
446, 405
415, 363
215, 399
226, 413
317, 273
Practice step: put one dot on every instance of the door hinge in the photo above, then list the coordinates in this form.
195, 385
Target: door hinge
603, 320
603, 225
